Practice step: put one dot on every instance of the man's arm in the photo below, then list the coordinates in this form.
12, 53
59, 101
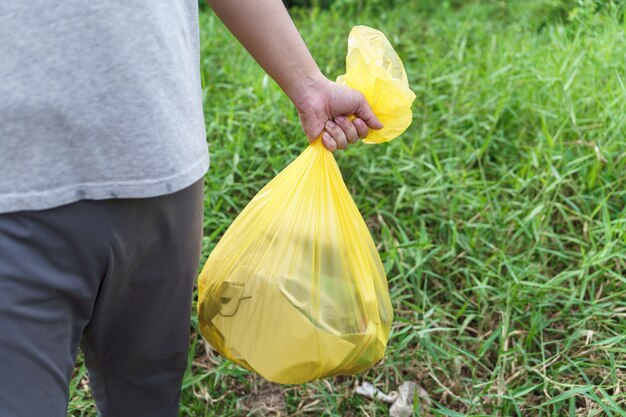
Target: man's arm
265, 29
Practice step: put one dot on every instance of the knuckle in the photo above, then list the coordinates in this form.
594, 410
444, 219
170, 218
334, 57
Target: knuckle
331, 127
362, 129
346, 124
338, 133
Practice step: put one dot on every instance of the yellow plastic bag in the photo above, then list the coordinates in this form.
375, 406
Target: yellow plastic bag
295, 289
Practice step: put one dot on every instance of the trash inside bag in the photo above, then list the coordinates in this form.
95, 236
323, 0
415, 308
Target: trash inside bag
295, 290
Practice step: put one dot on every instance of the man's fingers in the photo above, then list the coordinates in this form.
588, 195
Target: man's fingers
328, 142
337, 133
361, 127
348, 129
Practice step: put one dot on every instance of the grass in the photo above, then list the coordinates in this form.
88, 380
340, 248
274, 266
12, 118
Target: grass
499, 213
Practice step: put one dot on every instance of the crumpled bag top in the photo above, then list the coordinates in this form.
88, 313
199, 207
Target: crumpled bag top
374, 68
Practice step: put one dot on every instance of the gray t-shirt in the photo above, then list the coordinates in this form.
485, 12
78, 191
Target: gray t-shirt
98, 99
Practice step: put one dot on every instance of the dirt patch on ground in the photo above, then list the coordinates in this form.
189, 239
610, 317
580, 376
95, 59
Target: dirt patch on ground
265, 399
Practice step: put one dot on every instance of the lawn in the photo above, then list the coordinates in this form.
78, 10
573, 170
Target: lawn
499, 214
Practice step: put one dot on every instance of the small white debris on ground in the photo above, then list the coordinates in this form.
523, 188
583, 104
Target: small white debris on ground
370, 391
401, 401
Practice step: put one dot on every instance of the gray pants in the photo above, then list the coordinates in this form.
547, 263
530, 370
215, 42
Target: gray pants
116, 277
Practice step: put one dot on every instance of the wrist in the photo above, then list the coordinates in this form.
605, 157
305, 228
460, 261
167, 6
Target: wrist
307, 89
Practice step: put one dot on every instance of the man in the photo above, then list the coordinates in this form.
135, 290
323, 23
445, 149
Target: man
102, 155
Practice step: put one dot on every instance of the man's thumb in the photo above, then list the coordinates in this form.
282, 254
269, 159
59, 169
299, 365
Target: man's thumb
366, 114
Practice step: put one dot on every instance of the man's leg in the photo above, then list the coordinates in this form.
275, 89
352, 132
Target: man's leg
51, 265
137, 341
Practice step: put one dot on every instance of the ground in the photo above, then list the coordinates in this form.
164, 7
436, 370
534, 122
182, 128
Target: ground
499, 214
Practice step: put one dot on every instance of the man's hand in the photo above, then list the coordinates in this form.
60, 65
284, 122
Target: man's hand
265, 29
337, 112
